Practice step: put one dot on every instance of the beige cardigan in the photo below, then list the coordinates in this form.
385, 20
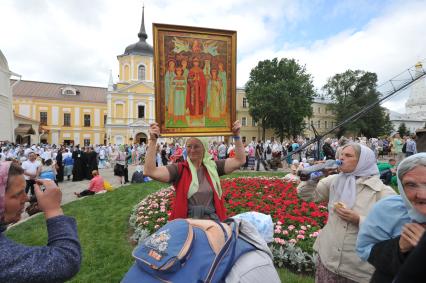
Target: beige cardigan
336, 242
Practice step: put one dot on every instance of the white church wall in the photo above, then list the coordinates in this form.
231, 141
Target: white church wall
6, 121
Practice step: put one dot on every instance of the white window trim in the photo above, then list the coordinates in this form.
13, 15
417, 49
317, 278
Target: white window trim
141, 104
67, 88
141, 64
244, 124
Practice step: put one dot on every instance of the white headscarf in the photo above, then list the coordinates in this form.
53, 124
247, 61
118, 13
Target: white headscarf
343, 188
412, 211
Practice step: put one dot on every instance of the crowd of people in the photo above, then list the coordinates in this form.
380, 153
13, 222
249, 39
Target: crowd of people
373, 230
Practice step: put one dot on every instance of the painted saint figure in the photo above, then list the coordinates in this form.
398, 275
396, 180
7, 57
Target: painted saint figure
179, 91
168, 79
196, 90
184, 64
213, 101
224, 90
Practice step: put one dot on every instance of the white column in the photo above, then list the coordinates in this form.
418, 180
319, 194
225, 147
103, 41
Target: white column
76, 138
132, 59
109, 108
55, 116
97, 118
97, 138
130, 105
76, 117
55, 137
151, 69
151, 109
34, 112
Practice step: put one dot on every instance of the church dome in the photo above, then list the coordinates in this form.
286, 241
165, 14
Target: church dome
141, 47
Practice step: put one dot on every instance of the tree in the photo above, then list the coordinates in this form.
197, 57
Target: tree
351, 92
387, 126
402, 130
280, 94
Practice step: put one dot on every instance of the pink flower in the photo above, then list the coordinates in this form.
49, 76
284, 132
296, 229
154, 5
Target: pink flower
301, 232
277, 240
277, 231
156, 226
285, 232
303, 228
145, 222
293, 241
279, 223
315, 234
291, 227
300, 237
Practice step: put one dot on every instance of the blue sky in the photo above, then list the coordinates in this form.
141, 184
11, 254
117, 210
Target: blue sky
72, 41
327, 18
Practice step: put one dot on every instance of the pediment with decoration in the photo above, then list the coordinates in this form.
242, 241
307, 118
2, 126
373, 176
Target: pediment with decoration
138, 87
140, 123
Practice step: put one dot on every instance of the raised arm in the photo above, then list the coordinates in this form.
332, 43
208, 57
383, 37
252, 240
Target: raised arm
315, 191
157, 173
232, 164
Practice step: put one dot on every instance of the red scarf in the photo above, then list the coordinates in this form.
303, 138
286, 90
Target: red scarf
180, 203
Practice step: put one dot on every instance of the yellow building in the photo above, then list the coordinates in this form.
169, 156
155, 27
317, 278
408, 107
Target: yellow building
121, 113
131, 101
68, 114
250, 130
322, 118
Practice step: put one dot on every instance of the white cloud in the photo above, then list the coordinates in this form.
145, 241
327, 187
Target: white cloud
75, 41
387, 46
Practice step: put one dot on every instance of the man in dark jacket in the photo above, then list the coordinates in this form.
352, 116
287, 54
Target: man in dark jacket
328, 150
79, 168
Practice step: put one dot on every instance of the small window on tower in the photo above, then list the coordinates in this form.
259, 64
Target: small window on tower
141, 111
141, 73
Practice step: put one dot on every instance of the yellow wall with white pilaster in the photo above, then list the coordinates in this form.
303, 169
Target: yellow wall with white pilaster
76, 132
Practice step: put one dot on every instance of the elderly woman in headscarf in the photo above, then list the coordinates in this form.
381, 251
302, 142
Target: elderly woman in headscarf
60, 259
196, 180
395, 225
350, 196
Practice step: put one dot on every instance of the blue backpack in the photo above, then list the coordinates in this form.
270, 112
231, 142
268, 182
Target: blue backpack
188, 250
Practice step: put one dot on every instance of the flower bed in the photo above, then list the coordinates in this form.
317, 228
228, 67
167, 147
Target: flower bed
297, 223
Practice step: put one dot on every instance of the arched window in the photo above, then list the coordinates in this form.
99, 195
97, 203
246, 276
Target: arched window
141, 72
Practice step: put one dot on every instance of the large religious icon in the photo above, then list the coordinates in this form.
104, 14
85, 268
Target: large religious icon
195, 80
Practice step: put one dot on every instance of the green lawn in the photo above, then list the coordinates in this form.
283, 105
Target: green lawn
104, 232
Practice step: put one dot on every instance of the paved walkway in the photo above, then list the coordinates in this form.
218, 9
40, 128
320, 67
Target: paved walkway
68, 188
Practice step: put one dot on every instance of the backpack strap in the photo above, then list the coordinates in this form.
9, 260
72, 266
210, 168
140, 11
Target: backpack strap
217, 233
230, 246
